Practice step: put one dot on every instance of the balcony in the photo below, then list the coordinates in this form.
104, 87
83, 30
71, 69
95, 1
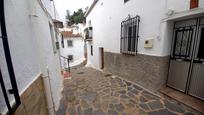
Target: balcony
88, 33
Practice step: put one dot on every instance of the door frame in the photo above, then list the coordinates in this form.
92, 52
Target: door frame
194, 51
101, 57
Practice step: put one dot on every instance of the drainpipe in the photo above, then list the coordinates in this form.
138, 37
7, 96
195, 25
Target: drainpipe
48, 93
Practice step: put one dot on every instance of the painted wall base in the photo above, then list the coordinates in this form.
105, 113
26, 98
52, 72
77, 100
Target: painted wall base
148, 71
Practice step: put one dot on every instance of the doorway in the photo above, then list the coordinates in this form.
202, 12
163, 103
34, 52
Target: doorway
101, 57
186, 71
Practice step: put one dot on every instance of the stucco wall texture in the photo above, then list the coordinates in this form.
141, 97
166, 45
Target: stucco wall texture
31, 47
150, 67
77, 50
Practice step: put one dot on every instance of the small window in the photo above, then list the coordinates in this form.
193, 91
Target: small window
194, 4
62, 40
69, 43
91, 50
183, 38
126, 1
129, 35
183, 43
70, 57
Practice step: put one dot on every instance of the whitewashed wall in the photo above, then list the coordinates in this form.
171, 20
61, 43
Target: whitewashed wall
106, 17
23, 51
77, 50
49, 6
106, 25
181, 5
30, 45
48, 58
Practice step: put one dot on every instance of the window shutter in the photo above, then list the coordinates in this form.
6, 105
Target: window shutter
194, 4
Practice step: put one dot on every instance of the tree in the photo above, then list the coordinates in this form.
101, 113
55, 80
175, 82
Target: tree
75, 18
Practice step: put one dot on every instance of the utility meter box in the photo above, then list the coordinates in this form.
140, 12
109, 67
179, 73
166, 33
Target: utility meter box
149, 43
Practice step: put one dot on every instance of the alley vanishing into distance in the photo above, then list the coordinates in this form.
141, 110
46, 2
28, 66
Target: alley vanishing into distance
101, 57
92, 92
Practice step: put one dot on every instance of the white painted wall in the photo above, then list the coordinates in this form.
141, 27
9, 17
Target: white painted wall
77, 50
49, 6
77, 28
31, 46
91, 59
181, 5
45, 48
81, 27
106, 25
106, 18
23, 51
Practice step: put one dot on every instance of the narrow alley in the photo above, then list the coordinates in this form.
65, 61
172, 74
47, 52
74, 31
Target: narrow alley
92, 92
101, 57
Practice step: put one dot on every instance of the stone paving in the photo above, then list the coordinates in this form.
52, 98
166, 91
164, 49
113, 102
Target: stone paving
91, 92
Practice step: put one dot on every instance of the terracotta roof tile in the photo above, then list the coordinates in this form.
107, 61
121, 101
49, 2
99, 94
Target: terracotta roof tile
70, 34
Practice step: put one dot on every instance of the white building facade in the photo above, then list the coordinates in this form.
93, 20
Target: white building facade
32, 38
72, 48
154, 27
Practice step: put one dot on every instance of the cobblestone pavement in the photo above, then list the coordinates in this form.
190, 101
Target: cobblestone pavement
91, 92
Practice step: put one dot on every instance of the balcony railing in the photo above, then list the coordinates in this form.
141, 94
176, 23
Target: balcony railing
88, 34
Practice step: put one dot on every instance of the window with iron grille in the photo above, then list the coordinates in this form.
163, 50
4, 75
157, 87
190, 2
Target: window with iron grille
91, 50
69, 43
129, 35
183, 42
62, 41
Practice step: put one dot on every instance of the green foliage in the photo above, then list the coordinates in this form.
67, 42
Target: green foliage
76, 17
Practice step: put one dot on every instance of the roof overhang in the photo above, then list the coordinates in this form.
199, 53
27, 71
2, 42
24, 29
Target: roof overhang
57, 23
197, 12
90, 9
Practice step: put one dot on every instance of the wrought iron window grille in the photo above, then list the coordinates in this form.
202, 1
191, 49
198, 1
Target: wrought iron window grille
130, 35
183, 43
184, 39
